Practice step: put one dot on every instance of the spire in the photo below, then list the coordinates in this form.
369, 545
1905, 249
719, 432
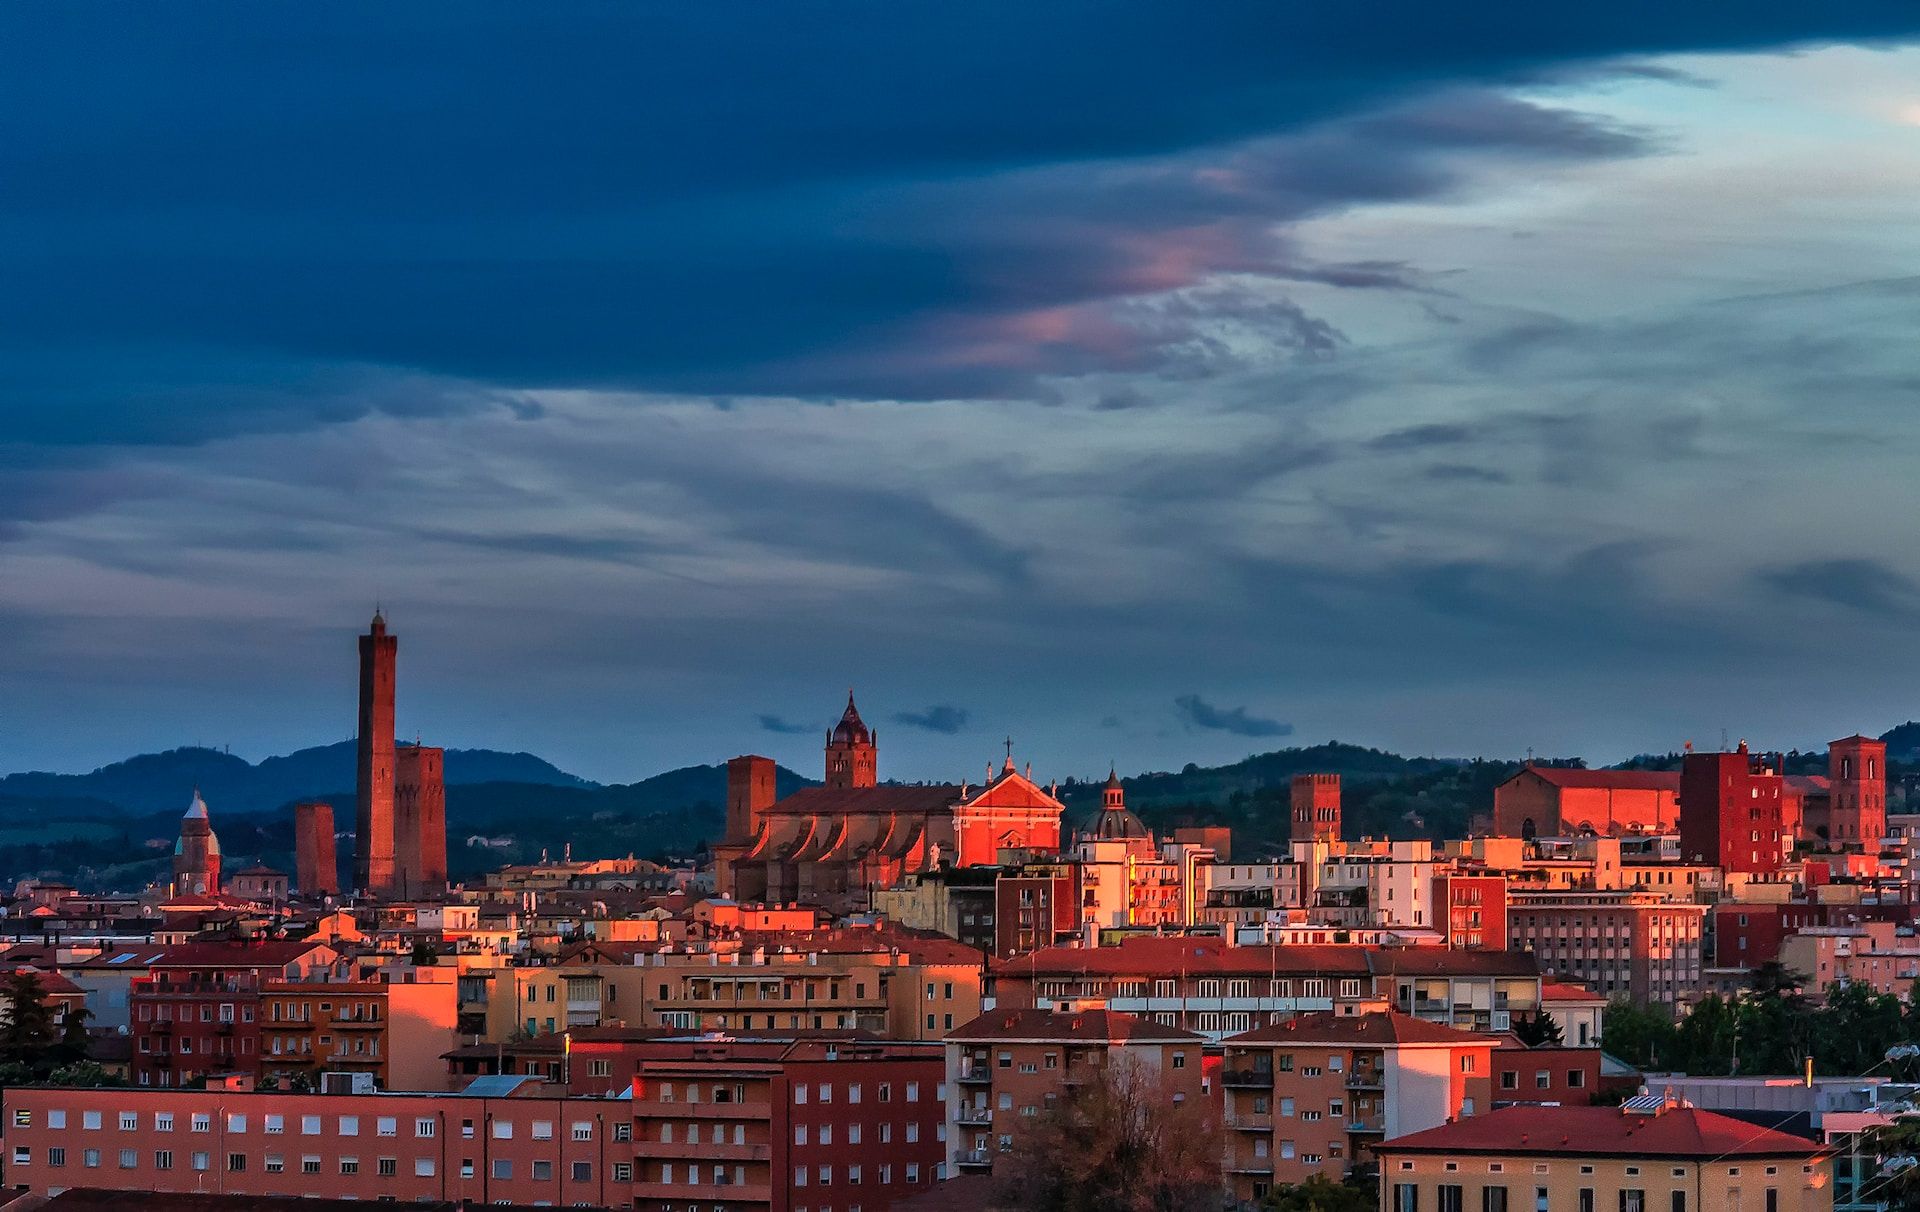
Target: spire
379, 625
197, 810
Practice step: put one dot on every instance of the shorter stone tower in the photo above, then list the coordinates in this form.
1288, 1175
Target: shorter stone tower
315, 866
196, 856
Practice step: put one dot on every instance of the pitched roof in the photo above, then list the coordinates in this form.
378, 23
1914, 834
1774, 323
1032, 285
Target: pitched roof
1380, 1029
1568, 991
237, 953
1090, 1026
1150, 956
883, 799
1616, 780
1677, 1131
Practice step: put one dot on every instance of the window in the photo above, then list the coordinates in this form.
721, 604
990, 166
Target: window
1406, 1197
503, 1129
273, 1125
56, 1119
349, 1165
502, 1168
1493, 1199
202, 1161
1633, 1199
309, 1165
129, 1158
1540, 1199
1449, 1197
163, 1121
582, 1172
542, 1170
423, 1167
309, 1125
236, 1163
129, 1121
913, 1092
623, 1130
623, 1172
90, 1120
423, 1127
274, 1163
583, 1129
203, 1123
386, 1125
1679, 1202
800, 1174
349, 1125
1510, 1080
387, 1167
57, 1156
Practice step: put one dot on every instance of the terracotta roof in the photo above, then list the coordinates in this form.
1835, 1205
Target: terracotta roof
240, 953
1363, 1030
49, 982
1148, 956
1567, 991
1678, 1132
882, 799
1092, 1026
1437, 961
851, 729
1617, 780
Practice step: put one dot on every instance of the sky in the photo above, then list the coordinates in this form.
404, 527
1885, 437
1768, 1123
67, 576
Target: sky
1146, 383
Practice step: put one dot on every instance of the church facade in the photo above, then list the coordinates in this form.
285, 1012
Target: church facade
833, 845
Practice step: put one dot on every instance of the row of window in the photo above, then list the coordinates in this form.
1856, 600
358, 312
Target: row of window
1451, 1197
424, 1127
276, 1163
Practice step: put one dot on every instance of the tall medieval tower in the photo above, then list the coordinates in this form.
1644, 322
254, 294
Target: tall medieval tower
1857, 811
852, 751
373, 842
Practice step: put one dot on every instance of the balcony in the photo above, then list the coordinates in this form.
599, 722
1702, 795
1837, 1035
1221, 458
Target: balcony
1251, 1165
1366, 1079
975, 1075
660, 1110
974, 1117
728, 1193
1247, 1079
974, 1159
1249, 1122
1367, 1125
701, 1150
359, 1024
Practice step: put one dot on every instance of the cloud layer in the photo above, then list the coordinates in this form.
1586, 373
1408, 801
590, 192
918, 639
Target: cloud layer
1459, 384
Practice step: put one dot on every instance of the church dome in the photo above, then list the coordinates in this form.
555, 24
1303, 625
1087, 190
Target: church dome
851, 730
1117, 825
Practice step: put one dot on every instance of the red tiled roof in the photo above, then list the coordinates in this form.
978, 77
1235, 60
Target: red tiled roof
242, 953
1093, 1026
1617, 780
49, 982
1380, 1029
831, 801
1567, 991
1677, 1132
1442, 961
1150, 956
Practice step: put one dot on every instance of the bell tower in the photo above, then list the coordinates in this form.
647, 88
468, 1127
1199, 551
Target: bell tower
852, 751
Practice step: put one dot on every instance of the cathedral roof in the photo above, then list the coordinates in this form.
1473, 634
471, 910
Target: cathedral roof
1116, 824
851, 730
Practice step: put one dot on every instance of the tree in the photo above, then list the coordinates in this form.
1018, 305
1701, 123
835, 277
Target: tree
28, 1032
1639, 1035
1539, 1030
75, 1045
1322, 1194
424, 956
1118, 1143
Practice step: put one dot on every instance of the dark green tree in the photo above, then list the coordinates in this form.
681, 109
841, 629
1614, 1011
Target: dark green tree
424, 955
1322, 1194
1539, 1030
28, 1032
1640, 1035
75, 1045
1705, 1038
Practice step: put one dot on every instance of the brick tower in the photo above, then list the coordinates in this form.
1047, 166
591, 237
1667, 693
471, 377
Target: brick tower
1857, 772
1730, 811
373, 836
419, 820
1316, 807
852, 751
196, 856
314, 865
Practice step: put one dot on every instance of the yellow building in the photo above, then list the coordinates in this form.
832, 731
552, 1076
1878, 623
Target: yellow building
1653, 1154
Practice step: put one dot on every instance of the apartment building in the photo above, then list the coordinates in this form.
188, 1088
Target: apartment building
1218, 990
1008, 1067
1880, 955
1652, 1154
508, 1149
1637, 944
786, 1126
1313, 1095
395, 1030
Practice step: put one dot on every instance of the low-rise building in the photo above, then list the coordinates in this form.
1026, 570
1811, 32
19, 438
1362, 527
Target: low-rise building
1653, 1154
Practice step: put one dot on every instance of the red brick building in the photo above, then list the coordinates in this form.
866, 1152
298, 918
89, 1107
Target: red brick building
833, 845
1731, 811
780, 1126
198, 1010
373, 833
1553, 801
1471, 910
1557, 1076
1857, 803
1008, 1067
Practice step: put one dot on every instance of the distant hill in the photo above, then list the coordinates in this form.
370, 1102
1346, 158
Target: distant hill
158, 782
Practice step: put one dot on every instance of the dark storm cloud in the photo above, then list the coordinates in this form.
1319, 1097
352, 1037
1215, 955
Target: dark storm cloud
1196, 712
1865, 585
940, 717
774, 723
879, 198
